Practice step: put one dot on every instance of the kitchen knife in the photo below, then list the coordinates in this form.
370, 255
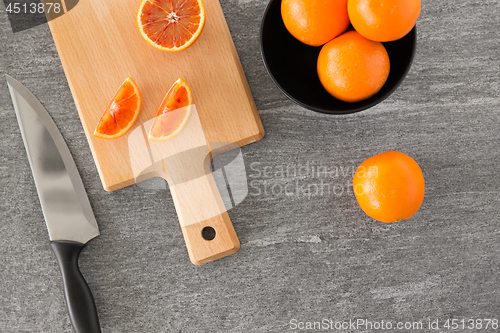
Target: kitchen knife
66, 208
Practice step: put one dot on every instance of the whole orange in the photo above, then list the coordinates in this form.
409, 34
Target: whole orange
315, 22
353, 68
383, 20
389, 187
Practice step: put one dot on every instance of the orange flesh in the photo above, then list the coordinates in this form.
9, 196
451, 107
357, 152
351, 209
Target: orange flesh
170, 23
120, 112
171, 113
176, 98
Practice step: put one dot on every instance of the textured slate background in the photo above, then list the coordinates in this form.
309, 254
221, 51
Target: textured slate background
304, 258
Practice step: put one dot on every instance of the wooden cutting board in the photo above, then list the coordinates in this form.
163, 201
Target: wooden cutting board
100, 46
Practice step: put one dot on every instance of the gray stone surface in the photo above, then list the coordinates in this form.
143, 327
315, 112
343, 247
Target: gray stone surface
304, 257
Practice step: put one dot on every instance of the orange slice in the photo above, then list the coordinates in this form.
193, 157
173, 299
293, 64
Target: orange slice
174, 112
170, 25
121, 113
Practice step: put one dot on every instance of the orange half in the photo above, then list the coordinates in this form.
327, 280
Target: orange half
170, 25
121, 113
174, 112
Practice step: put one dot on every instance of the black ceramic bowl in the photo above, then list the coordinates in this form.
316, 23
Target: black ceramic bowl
292, 66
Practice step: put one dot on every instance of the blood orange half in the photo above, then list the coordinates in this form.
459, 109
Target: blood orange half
173, 113
121, 113
170, 25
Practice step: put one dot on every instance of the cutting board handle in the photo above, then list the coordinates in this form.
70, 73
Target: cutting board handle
211, 239
207, 229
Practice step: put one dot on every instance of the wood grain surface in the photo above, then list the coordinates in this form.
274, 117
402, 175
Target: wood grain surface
99, 45
302, 257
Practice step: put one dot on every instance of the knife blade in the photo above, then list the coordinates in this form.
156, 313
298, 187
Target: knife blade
65, 205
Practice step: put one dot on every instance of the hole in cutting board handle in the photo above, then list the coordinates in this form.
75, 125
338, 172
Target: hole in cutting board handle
208, 233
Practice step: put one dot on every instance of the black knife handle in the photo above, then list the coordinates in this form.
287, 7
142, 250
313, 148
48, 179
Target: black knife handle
81, 306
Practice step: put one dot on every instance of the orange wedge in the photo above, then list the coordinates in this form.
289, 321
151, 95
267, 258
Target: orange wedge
174, 112
170, 25
121, 113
